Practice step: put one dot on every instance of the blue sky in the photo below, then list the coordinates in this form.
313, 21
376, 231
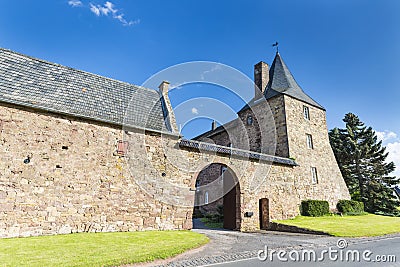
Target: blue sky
343, 53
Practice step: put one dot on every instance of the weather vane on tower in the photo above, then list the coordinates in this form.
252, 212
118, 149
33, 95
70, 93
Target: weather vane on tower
277, 47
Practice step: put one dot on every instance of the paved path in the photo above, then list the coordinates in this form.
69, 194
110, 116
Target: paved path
233, 248
382, 252
230, 246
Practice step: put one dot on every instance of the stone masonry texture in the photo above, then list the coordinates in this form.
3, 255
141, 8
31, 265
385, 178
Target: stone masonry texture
75, 181
286, 187
60, 174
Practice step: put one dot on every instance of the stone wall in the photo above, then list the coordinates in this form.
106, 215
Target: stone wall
74, 181
330, 186
286, 187
209, 180
62, 175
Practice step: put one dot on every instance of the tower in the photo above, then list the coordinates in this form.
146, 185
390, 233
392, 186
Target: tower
302, 134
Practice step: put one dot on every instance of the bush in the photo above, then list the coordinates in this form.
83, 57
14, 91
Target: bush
395, 214
350, 207
314, 208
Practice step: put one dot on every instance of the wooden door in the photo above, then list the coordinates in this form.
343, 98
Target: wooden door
264, 213
229, 201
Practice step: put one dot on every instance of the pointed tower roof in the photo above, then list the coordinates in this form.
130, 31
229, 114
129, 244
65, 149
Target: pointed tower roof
281, 81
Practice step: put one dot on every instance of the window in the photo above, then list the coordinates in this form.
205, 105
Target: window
223, 170
122, 148
249, 120
306, 112
314, 175
197, 185
309, 141
206, 198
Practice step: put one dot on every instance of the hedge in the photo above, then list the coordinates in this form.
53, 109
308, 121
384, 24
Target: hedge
350, 206
314, 208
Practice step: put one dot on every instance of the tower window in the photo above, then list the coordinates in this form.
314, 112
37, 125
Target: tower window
249, 120
306, 112
314, 175
206, 198
309, 141
122, 148
223, 169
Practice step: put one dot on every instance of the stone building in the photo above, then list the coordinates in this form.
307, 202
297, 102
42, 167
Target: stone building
84, 153
284, 121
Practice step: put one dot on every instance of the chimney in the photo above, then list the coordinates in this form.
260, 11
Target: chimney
213, 125
164, 87
261, 78
167, 107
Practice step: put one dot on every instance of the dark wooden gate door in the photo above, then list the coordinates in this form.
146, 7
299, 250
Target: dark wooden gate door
264, 213
229, 201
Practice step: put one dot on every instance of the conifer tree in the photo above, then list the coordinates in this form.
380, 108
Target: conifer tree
362, 161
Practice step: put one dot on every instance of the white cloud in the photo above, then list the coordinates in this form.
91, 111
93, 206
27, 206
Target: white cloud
392, 143
394, 155
176, 86
75, 3
386, 135
104, 10
215, 68
108, 8
95, 9
195, 111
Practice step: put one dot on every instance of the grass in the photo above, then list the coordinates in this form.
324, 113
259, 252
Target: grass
97, 249
348, 226
210, 224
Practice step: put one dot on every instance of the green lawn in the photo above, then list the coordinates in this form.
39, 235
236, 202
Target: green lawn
97, 249
349, 226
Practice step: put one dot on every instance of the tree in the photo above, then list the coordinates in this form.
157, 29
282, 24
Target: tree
362, 162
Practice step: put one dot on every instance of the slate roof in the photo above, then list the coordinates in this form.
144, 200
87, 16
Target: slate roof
281, 81
39, 84
222, 128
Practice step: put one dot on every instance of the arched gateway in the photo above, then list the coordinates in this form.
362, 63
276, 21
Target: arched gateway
218, 195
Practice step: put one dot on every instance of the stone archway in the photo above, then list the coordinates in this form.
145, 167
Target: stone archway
218, 193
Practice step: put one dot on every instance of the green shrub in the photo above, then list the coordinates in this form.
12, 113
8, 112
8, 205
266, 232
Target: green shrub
350, 207
314, 208
214, 217
395, 214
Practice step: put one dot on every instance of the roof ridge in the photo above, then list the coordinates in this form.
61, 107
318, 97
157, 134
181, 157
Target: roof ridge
74, 69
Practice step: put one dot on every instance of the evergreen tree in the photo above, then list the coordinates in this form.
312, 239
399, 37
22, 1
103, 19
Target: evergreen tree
361, 158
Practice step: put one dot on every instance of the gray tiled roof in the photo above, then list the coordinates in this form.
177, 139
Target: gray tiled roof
222, 128
39, 84
281, 81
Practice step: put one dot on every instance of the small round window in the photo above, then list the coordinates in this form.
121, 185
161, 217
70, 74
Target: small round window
249, 120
